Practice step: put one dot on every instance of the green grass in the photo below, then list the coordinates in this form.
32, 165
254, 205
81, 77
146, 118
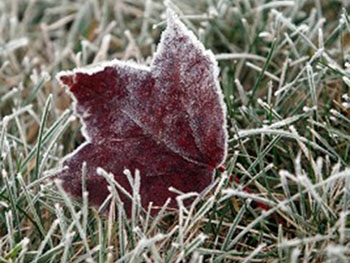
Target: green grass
285, 74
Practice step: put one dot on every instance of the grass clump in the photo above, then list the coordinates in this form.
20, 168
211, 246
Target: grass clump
285, 74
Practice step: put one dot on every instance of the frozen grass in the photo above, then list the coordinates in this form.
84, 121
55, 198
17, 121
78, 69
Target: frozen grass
285, 73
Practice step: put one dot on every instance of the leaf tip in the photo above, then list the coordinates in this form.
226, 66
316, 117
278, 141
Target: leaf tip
171, 15
65, 78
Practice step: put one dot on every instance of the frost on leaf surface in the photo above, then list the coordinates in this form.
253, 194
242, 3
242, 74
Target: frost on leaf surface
167, 120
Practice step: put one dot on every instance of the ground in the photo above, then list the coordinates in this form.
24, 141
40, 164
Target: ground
285, 76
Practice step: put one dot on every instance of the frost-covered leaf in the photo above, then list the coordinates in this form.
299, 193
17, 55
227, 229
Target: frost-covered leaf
167, 120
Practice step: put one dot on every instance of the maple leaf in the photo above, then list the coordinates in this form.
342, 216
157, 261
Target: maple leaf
166, 120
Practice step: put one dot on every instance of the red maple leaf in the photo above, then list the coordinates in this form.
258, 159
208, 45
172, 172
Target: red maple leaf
166, 120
